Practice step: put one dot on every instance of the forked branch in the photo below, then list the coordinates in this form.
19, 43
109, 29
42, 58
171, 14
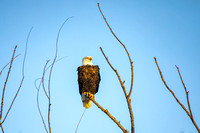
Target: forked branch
4, 87
48, 95
124, 90
13, 57
131, 62
7, 64
119, 78
127, 95
38, 89
189, 113
186, 92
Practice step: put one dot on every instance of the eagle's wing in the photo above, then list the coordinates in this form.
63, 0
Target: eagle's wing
98, 79
80, 79
88, 79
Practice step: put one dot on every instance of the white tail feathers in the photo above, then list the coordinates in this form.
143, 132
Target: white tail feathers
87, 103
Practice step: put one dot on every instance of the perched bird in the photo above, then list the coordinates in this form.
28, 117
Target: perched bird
88, 80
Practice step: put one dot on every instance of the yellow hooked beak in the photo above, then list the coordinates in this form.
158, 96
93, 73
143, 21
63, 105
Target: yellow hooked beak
90, 58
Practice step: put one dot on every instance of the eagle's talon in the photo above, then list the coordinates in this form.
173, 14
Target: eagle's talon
89, 95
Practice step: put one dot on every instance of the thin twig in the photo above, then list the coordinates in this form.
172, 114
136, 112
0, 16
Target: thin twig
80, 120
2, 100
122, 83
56, 52
131, 62
124, 90
109, 115
26, 50
49, 108
8, 64
119, 78
186, 92
188, 102
44, 70
161, 75
12, 102
38, 106
183, 107
22, 76
13, 99
38, 88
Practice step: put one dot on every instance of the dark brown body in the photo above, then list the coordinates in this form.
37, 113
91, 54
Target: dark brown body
88, 79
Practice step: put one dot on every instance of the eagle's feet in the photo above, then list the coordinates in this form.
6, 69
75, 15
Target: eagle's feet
89, 95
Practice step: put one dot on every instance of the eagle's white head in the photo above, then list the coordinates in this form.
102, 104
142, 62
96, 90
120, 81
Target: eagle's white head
87, 61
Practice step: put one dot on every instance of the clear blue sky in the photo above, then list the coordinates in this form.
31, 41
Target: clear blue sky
168, 30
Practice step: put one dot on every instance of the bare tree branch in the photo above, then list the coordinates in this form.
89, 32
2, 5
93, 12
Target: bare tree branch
131, 62
44, 70
2, 100
170, 89
26, 50
38, 88
8, 64
49, 82
109, 115
38, 106
183, 107
186, 92
49, 109
188, 102
80, 121
122, 83
119, 78
22, 77
52, 69
123, 87
13, 99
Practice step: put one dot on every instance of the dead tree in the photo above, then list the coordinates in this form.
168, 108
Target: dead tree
189, 113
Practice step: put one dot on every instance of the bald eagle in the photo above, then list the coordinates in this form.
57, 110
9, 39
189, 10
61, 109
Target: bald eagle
88, 80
